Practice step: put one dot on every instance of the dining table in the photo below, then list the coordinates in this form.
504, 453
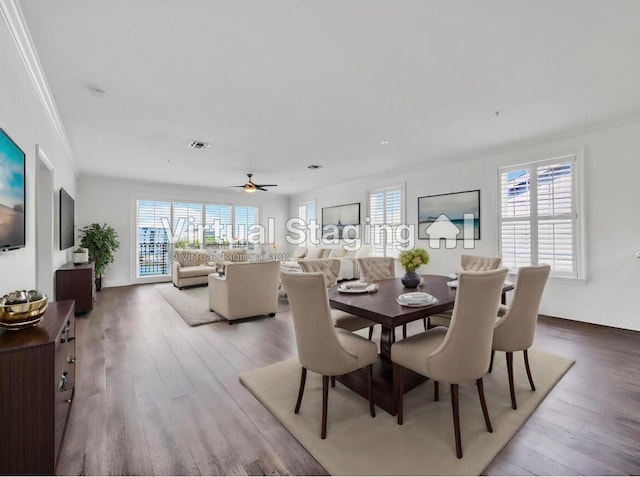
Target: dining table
381, 306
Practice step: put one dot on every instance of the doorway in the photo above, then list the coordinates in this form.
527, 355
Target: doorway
44, 223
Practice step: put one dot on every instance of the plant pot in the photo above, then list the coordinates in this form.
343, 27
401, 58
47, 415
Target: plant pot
98, 283
410, 280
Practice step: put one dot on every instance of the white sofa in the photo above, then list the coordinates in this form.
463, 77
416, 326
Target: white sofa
191, 266
348, 263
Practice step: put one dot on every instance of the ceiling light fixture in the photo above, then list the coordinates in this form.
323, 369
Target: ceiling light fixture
384, 142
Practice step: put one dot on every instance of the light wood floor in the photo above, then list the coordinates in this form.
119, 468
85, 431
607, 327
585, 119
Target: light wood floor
154, 396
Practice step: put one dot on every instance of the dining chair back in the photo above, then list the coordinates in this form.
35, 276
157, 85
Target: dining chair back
322, 348
376, 268
515, 330
460, 353
473, 263
329, 267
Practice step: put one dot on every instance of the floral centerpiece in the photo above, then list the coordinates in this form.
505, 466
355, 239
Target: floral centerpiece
410, 261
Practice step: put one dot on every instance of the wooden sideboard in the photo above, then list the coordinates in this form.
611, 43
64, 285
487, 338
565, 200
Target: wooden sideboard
37, 373
77, 282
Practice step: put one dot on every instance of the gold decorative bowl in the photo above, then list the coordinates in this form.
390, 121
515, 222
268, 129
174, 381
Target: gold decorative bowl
18, 316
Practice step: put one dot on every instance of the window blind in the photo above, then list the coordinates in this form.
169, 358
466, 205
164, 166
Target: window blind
538, 215
152, 238
243, 218
385, 213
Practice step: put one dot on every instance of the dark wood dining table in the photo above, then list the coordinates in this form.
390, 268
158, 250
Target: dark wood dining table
382, 307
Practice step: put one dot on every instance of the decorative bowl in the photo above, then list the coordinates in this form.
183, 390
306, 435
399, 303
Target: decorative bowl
22, 309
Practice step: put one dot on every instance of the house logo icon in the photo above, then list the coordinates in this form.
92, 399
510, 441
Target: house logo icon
443, 228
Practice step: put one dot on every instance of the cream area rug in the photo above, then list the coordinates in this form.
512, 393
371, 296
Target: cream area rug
192, 304
358, 444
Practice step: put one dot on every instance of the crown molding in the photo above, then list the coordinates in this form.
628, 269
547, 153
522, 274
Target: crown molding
14, 18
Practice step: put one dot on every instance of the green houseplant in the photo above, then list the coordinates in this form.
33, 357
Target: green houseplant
410, 261
102, 241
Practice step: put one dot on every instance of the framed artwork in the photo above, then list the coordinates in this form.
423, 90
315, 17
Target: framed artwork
459, 209
340, 221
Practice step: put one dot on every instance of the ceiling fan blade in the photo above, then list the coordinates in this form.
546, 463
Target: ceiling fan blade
266, 185
262, 188
236, 186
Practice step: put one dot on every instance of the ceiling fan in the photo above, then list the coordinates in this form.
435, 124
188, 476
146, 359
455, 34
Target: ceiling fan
250, 187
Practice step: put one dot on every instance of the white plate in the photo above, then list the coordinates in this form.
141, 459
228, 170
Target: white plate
416, 299
369, 289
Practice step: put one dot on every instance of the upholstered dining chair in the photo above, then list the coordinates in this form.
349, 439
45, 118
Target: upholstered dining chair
516, 328
330, 269
323, 348
468, 263
460, 353
380, 268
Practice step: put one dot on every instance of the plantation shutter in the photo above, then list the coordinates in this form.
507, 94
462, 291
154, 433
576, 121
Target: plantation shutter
538, 215
385, 209
243, 218
307, 212
220, 214
152, 238
187, 221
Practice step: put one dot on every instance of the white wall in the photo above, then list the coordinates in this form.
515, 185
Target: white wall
111, 201
23, 117
611, 196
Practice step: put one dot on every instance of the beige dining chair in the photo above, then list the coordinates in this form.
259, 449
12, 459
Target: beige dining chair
323, 348
457, 354
468, 263
380, 268
516, 329
330, 268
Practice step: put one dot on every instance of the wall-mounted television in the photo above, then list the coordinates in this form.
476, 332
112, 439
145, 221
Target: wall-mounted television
12, 194
67, 220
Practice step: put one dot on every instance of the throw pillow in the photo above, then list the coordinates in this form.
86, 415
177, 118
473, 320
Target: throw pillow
337, 253
299, 252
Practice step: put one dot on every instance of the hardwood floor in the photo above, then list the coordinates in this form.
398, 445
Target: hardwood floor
155, 396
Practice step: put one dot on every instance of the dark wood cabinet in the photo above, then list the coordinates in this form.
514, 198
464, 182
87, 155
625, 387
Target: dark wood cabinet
77, 282
37, 374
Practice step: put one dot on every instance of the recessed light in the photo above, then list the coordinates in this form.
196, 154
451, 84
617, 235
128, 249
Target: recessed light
198, 145
314, 166
384, 142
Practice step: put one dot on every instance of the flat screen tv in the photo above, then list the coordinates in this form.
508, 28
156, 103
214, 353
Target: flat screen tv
67, 220
12, 196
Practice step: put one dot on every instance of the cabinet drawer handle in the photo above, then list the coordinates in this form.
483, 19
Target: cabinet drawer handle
71, 359
68, 400
63, 381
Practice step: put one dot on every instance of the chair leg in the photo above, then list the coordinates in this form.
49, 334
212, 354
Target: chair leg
510, 373
397, 389
325, 399
526, 365
483, 403
493, 353
436, 391
404, 331
333, 381
372, 409
370, 332
424, 322
303, 380
456, 419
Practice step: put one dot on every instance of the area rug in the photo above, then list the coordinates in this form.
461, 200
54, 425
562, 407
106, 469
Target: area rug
358, 444
192, 304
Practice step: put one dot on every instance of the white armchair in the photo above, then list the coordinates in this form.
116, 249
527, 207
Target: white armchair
247, 289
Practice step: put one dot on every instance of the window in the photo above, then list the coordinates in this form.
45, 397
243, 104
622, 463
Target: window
386, 212
187, 221
244, 217
538, 215
307, 212
152, 239
188, 225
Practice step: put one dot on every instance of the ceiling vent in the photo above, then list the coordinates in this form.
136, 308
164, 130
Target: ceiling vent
314, 166
198, 145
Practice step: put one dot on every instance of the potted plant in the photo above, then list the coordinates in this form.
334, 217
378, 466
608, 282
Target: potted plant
102, 241
410, 260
